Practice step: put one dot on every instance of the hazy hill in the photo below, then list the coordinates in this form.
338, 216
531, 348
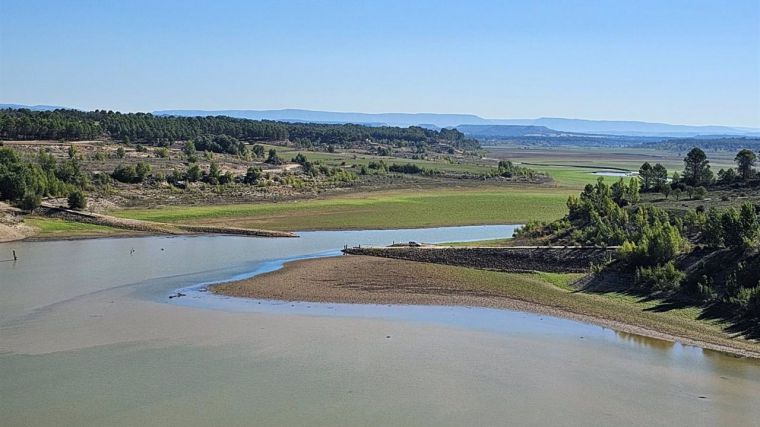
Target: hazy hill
437, 121
606, 127
30, 107
634, 128
294, 115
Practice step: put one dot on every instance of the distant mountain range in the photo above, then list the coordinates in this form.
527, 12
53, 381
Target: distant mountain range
31, 107
601, 127
470, 124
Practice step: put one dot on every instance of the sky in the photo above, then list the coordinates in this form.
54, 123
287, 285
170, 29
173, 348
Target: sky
684, 62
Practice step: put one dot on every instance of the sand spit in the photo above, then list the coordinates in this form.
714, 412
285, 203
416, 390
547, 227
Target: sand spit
371, 280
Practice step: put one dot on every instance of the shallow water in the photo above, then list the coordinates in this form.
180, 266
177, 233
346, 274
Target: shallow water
613, 173
89, 337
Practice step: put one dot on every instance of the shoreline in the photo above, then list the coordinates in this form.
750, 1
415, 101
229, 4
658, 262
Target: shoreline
365, 280
126, 233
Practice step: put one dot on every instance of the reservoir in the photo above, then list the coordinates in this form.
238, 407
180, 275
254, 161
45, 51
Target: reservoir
89, 336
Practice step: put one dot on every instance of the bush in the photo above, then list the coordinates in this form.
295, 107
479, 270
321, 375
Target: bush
273, 158
705, 290
252, 176
130, 174
218, 144
77, 200
30, 201
700, 193
194, 173
660, 278
748, 300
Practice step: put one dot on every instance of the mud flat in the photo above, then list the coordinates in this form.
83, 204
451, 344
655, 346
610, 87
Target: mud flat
374, 280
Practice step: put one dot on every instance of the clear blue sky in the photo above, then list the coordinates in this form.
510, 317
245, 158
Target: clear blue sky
690, 62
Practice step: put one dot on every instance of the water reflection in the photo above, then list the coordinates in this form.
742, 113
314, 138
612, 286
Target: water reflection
645, 342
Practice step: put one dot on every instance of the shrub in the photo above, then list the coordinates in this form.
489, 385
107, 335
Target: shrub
30, 201
130, 174
700, 193
748, 300
273, 158
705, 290
194, 173
124, 173
142, 170
77, 200
660, 278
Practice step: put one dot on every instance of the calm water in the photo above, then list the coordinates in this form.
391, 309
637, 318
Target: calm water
88, 336
612, 173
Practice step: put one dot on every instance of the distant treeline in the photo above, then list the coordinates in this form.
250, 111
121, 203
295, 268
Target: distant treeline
145, 128
707, 144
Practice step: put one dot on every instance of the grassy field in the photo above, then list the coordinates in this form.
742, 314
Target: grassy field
387, 209
55, 228
573, 167
491, 243
554, 290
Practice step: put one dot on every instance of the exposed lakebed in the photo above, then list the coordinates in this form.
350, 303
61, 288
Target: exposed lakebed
90, 337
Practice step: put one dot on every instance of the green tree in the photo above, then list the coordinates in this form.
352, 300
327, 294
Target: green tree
750, 224
273, 158
194, 173
712, 234
645, 173
189, 150
258, 151
732, 228
162, 152
666, 190
31, 201
214, 173
726, 176
125, 173
697, 168
120, 152
77, 200
142, 170
745, 161
659, 177
252, 176
700, 193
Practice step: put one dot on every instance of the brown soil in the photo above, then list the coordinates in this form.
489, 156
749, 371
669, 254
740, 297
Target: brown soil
371, 280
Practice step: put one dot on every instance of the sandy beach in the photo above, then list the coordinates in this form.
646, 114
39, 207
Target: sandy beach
371, 280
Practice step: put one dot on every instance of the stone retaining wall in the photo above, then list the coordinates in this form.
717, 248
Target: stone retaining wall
550, 259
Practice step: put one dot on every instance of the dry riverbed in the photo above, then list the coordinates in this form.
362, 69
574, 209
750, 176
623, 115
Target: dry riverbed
371, 280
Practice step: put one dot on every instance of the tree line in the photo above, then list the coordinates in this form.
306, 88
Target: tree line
697, 174
24, 124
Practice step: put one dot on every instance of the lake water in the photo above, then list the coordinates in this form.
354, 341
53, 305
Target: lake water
88, 336
613, 173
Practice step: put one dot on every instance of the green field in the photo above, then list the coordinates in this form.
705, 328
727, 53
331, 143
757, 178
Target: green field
388, 209
573, 166
491, 243
52, 228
